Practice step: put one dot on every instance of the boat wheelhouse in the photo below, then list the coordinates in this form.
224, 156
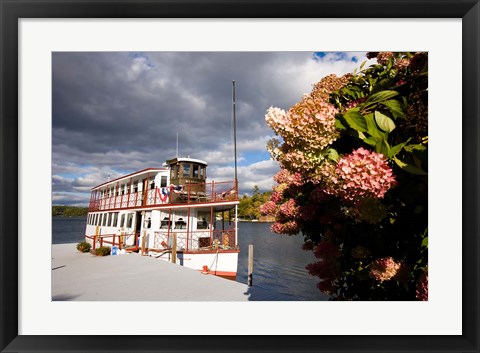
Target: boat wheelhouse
171, 213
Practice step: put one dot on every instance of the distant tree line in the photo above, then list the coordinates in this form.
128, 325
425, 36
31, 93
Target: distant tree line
249, 207
69, 211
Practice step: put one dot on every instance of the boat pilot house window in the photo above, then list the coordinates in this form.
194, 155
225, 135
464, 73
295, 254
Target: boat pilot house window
187, 168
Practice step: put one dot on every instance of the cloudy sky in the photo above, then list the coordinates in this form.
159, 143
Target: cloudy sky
116, 113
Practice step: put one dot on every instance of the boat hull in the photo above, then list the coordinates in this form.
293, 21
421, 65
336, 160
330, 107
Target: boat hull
222, 263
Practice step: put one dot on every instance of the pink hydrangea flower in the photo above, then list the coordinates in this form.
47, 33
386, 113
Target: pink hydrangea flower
289, 209
276, 197
384, 269
307, 128
383, 57
363, 173
402, 63
269, 208
285, 177
290, 227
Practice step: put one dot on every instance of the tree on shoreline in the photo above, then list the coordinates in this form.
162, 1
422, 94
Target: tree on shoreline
249, 207
354, 159
69, 211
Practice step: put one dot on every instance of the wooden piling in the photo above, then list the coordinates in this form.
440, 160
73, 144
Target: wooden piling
174, 248
250, 265
120, 241
144, 241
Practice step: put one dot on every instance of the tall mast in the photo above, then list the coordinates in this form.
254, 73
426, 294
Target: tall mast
177, 143
234, 129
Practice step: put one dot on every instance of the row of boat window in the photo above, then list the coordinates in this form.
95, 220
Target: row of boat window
110, 219
165, 223
125, 189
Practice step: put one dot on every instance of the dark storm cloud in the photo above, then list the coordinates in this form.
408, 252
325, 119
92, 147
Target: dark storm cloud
119, 112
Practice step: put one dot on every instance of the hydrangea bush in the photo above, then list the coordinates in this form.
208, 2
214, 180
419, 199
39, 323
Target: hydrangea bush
353, 180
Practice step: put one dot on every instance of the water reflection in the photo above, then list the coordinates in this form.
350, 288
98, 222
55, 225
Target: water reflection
278, 264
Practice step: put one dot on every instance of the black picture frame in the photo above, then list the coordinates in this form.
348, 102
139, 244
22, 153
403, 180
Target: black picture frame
12, 10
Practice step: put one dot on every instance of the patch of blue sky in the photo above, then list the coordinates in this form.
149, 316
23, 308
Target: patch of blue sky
334, 56
142, 55
69, 175
251, 157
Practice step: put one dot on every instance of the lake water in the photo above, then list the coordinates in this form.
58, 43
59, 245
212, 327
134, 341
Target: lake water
278, 260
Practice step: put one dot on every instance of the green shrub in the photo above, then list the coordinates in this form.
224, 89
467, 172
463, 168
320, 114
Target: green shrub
103, 251
83, 247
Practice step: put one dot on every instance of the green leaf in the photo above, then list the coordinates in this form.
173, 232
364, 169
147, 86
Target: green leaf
382, 147
372, 127
340, 124
356, 120
411, 148
395, 108
425, 242
333, 154
381, 96
363, 64
395, 149
371, 141
410, 168
390, 63
384, 122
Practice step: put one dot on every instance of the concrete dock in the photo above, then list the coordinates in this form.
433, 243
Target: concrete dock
132, 277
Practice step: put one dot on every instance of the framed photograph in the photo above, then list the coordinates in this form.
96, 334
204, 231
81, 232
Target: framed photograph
47, 46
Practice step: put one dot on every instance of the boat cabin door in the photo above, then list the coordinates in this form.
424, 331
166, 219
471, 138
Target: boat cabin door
138, 223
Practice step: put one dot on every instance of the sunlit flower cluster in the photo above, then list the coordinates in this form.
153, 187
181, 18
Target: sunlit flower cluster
290, 227
299, 161
363, 174
269, 208
306, 129
383, 57
278, 193
328, 84
289, 209
277, 119
311, 125
384, 269
402, 63
285, 177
